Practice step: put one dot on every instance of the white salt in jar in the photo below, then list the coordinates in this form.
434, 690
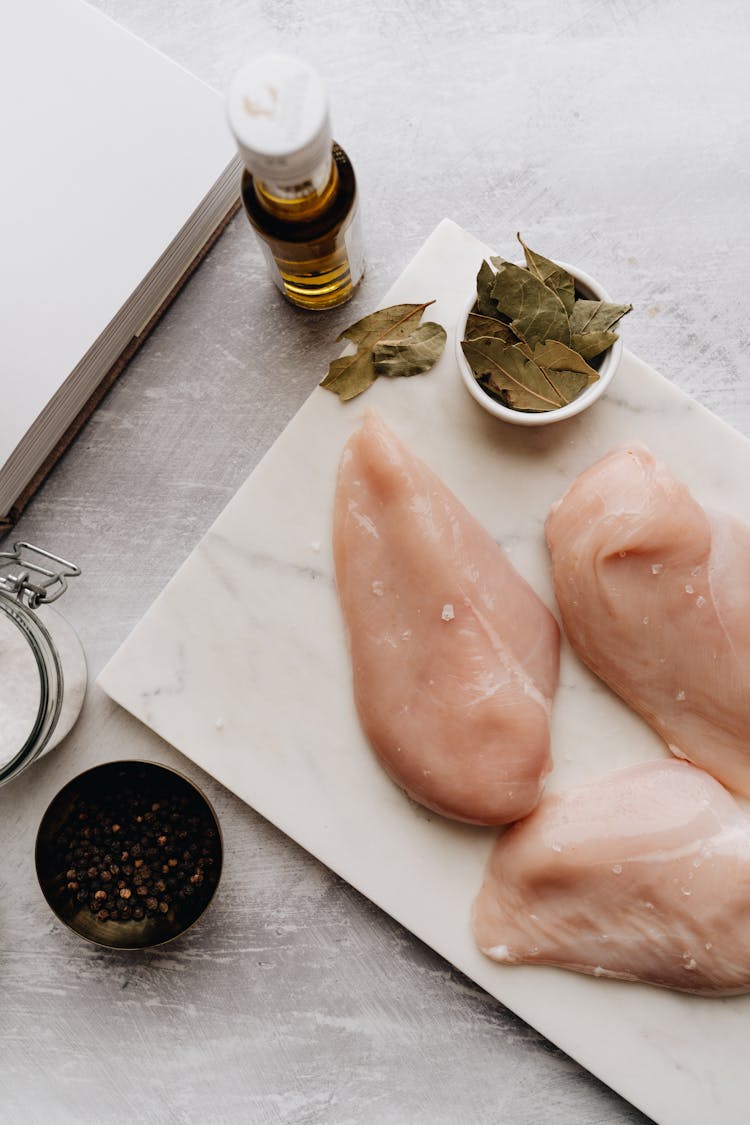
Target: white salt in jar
42, 665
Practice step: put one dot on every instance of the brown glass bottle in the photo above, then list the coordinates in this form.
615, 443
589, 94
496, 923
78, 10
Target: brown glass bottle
310, 234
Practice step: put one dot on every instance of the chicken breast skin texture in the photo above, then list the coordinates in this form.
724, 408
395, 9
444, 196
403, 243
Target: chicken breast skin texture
643, 875
654, 594
454, 657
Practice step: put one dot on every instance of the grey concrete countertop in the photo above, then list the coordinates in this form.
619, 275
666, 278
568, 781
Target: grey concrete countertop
614, 134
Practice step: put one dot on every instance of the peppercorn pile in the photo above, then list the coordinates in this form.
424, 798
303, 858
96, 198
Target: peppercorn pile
133, 854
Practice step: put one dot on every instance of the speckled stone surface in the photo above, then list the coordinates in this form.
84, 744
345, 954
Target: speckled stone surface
615, 135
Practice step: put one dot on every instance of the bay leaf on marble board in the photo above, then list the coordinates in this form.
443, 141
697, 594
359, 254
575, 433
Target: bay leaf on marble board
413, 355
349, 375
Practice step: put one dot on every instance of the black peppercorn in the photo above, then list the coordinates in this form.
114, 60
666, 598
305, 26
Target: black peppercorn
135, 858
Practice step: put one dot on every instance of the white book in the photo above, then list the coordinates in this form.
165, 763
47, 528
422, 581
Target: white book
118, 170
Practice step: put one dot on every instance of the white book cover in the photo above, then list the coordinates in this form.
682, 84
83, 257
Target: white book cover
109, 150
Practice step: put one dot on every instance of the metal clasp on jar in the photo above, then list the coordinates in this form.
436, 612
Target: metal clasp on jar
46, 585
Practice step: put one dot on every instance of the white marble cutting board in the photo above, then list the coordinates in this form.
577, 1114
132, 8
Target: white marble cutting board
241, 664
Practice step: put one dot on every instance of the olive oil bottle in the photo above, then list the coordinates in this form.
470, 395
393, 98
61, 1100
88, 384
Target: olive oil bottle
298, 187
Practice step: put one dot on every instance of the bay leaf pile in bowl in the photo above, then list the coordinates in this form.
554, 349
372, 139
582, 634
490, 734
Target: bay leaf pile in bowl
537, 341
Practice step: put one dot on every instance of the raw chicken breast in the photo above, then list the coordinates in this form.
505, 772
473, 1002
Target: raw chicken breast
655, 597
643, 875
454, 657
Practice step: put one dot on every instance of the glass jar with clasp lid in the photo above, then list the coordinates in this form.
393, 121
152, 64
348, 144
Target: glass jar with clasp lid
42, 665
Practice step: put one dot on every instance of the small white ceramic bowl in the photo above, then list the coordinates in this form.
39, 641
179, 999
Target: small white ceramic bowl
592, 291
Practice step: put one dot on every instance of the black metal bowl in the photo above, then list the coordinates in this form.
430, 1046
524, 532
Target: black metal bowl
129, 854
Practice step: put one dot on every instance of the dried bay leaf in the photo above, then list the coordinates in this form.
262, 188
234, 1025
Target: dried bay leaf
395, 322
347, 379
559, 357
550, 274
510, 375
499, 262
351, 374
478, 326
595, 316
591, 344
485, 280
536, 313
565, 369
415, 354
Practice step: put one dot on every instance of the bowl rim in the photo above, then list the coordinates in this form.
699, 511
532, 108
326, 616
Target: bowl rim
587, 397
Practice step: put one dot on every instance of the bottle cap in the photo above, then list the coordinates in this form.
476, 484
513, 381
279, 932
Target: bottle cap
278, 112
